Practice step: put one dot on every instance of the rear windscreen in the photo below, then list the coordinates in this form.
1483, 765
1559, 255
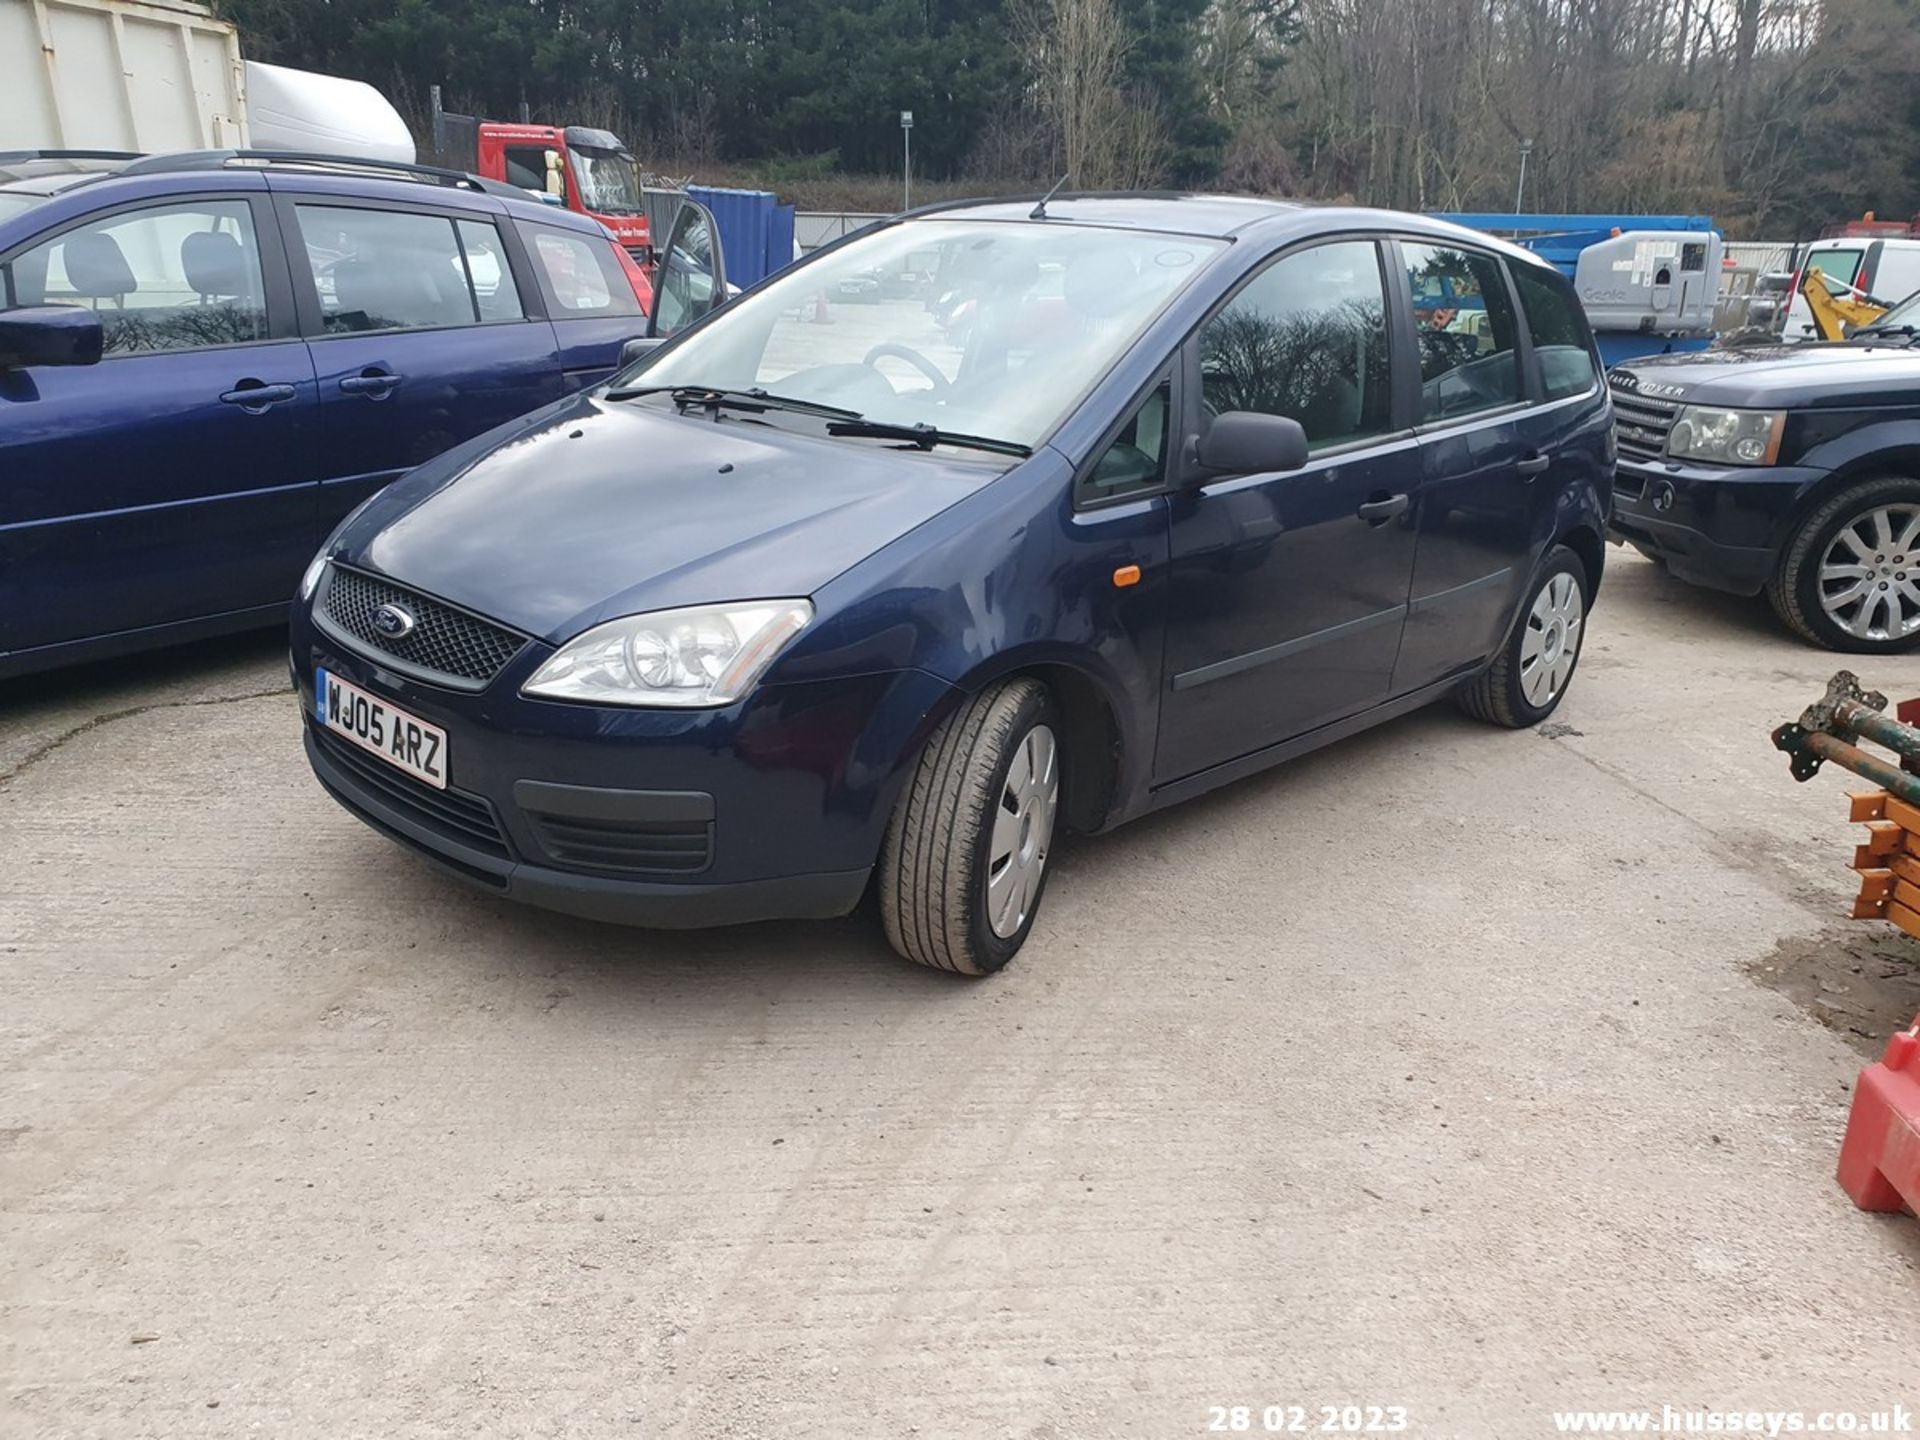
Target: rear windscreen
1841, 267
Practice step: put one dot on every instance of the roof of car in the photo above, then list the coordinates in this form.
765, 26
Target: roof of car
1219, 216
25, 174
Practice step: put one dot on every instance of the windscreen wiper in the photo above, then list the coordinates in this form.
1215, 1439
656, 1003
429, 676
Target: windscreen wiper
712, 397
925, 436
1871, 332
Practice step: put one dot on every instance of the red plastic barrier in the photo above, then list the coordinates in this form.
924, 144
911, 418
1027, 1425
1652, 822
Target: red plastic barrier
1880, 1158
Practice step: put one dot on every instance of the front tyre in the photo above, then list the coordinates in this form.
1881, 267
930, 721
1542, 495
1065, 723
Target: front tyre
1529, 677
1849, 579
965, 860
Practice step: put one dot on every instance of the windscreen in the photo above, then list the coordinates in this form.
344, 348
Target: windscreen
609, 182
985, 328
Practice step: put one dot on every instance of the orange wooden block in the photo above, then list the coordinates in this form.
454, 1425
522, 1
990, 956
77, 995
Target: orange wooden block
1906, 816
1883, 837
1864, 858
1905, 866
1866, 804
1876, 884
1908, 920
1905, 894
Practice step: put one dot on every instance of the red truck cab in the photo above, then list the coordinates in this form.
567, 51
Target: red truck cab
584, 169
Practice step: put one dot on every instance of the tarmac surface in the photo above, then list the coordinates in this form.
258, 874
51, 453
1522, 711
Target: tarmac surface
1486, 1074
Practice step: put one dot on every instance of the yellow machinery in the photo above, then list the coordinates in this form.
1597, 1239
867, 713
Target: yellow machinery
1833, 311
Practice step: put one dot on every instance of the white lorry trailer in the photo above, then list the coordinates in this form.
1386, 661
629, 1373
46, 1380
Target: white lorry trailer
146, 76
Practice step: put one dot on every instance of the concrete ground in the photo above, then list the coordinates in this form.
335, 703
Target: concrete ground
1451, 1068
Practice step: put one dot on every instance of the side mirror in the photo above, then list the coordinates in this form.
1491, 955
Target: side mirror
638, 349
1246, 442
50, 335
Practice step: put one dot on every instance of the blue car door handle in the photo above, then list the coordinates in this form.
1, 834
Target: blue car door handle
1533, 465
374, 384
256, 398
1383, 509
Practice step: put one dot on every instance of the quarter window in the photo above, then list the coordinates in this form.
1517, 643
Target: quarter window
393, 270
1463, 317
1307, 338
581, 275
1560, 340
175, 277
1136, 458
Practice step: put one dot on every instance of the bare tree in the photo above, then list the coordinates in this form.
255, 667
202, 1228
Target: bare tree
1076, 53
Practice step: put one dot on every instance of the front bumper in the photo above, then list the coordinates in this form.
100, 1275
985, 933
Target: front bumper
1715, 526
773, 808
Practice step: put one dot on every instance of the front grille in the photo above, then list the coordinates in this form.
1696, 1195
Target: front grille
466, 819
447, 645
1641, 422
654, 847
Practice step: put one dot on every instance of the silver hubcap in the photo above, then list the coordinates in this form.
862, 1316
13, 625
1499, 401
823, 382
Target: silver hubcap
1552, 640
1870, 575
1022, 831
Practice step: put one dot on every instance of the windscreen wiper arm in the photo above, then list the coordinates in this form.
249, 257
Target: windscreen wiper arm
710, 397
925, 436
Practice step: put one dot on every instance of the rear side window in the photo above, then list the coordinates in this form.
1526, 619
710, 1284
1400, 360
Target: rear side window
169, 277
392, 270
580, 274
1559, 330
1463, 316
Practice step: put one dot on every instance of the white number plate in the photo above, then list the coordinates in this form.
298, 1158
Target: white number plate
400, 739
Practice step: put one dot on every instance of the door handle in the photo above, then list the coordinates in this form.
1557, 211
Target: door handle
1533, 465
256, 398
1378, 512
375, 383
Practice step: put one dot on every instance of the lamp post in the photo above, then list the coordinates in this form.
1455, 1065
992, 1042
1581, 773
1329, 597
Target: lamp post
1520, 190
906, 148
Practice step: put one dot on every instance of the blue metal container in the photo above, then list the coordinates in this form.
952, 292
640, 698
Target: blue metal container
756, 231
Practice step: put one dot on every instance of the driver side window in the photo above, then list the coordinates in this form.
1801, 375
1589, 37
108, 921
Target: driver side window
1305, 338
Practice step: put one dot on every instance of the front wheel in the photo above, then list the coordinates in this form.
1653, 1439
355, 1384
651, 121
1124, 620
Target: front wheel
1529, 677
965, 860
1849, 579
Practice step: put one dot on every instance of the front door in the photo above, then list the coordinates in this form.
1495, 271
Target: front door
1288, 592
420, 338
174, 480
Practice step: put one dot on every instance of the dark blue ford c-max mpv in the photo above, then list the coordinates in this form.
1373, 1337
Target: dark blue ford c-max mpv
1092, 507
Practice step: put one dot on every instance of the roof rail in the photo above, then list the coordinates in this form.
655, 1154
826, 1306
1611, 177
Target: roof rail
21, 157
310, 160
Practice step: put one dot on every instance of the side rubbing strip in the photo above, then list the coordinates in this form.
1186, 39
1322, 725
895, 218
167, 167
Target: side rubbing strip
1220, 669
1441, 597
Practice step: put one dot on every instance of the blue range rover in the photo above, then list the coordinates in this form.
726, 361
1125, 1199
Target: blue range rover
817, 597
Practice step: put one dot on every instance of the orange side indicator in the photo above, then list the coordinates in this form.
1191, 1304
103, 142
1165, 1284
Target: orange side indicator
1126, 575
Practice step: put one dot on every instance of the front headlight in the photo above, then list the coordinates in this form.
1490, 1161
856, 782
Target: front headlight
706, 655
1726, 437
310, 581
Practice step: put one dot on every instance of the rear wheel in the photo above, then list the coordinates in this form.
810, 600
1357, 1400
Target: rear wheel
1529, 677
1849, 579
965, 861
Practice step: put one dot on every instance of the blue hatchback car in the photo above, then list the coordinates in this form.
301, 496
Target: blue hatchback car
207, 359
815, 597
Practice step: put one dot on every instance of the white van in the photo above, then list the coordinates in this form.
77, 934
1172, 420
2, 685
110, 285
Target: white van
1883, 270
